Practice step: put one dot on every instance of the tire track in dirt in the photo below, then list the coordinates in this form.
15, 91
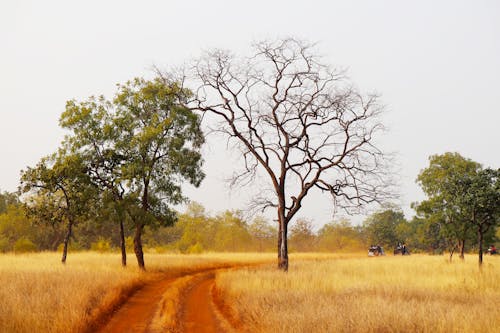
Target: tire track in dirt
198, 314
136, 314
196, 311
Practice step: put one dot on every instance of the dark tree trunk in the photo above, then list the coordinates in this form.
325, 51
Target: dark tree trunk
452, 250
462, 249
283, 251
122, 244
138, 246
279, 240
480, 244
66, 241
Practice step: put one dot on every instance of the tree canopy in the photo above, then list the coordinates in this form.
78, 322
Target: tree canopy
297, 121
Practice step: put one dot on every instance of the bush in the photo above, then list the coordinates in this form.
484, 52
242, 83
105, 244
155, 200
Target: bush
23, 245
195, 249
102, 245
72, 246
4, 244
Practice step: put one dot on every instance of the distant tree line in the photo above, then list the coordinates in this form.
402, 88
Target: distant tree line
196, 231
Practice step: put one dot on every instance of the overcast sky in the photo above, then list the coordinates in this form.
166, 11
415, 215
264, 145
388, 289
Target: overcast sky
435, 63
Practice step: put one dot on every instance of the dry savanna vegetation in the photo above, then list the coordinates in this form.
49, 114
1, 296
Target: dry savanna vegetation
320, 293
385, 294
40, 295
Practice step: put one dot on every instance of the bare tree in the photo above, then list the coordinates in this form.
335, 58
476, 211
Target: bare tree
299, 122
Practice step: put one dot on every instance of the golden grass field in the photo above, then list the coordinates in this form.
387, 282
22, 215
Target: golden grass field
385, 294
320, 293
39, 294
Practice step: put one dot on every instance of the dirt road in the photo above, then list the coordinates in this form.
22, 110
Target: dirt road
196, 311
199, 312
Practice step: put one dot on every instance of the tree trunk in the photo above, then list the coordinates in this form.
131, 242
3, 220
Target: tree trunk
452, 250
138, 246
462, 249
480, 244
283, 251
122, 244
66, 241
279, 241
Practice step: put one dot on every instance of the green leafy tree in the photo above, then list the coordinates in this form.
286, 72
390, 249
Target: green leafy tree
382, 227
59, 191
479, 195
442, 208
340, 236
194, 228
94, 137
231, 232
139, 148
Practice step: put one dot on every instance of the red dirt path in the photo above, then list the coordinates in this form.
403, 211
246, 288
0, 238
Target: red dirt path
196, 308
199, 316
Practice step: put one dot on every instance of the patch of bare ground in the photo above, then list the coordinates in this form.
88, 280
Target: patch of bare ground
184, 301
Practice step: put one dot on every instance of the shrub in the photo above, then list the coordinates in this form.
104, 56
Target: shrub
4, 244
72, 246
102, 245
195, 249
23, 245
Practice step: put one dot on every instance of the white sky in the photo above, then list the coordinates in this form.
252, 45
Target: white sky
436, 64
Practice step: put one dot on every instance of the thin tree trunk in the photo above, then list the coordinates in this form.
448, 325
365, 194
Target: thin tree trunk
66, 241
452, 250
480, 244
138, 246
122, 244
279, 241
283, 252
462, 249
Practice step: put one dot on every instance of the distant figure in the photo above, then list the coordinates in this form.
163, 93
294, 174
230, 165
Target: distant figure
375, 251
401, 249
492, 249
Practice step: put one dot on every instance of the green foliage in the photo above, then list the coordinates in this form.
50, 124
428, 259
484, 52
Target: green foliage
386, 228
441, 209
72, 246
102, 245
464, 200
23, 245
340, 237
138, 150
7, 199
4, 244
195, 249
263, 234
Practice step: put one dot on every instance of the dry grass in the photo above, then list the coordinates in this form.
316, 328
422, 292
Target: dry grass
385, 294
39, 294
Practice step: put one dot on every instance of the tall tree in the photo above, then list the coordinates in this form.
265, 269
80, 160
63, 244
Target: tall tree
94, 137
160, 140
442, 208
479, 195
298, 121
139, 148
67, 194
